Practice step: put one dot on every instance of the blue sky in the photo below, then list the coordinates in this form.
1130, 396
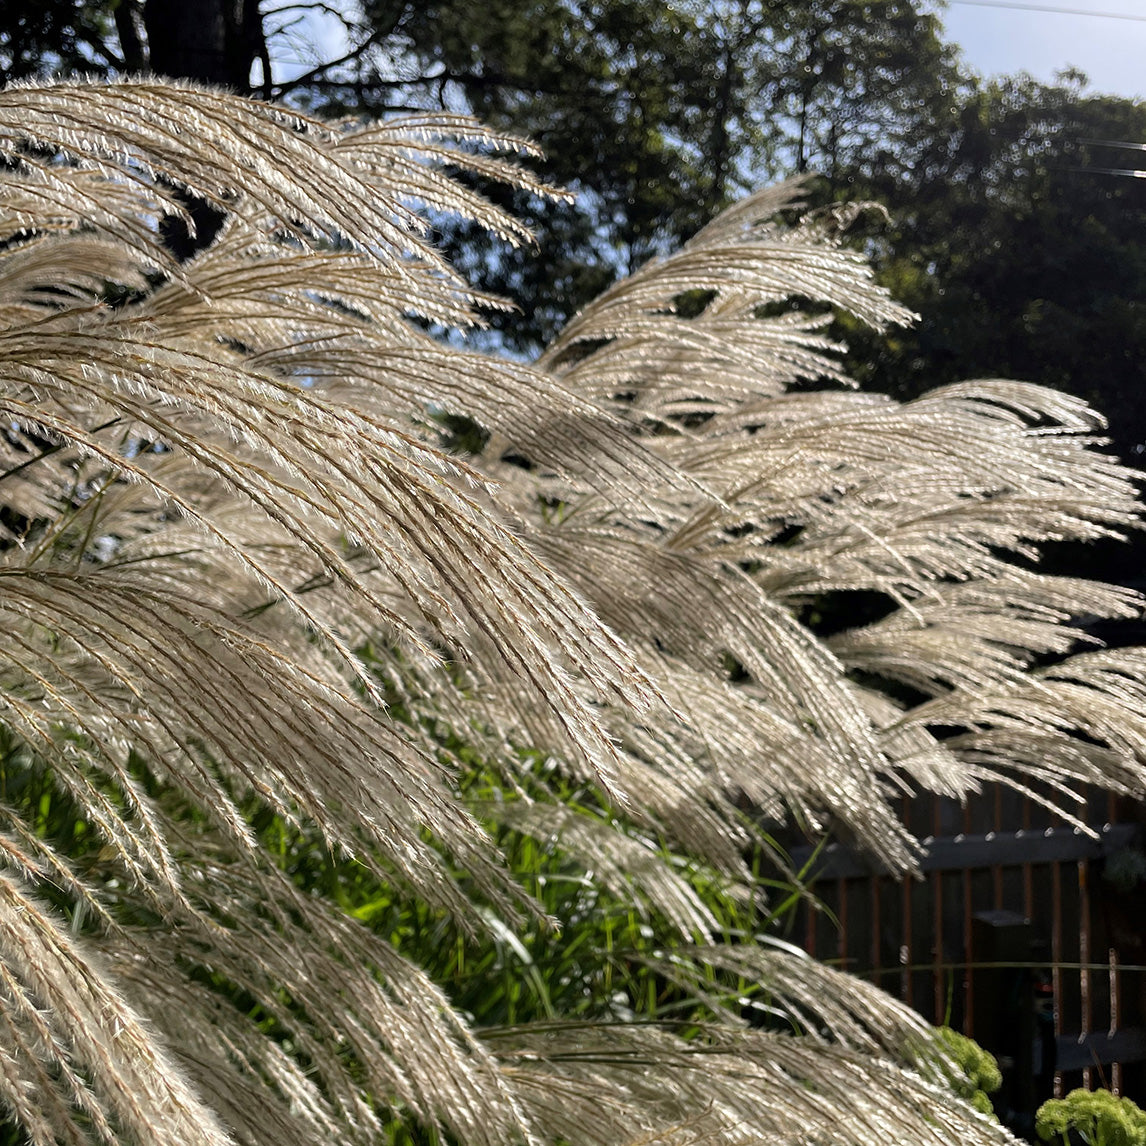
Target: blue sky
1111, 52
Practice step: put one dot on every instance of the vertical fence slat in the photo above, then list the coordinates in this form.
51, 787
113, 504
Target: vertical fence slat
842, 915
997, 871
905, 960
1028, 870
953, 901
968, 952
1056, 962
1084, 961
968, 958
939, 983
876, 951
1115, 1006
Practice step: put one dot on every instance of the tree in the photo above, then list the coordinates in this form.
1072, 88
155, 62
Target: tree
251, 603
213, 41
1020, 253
68, 36
655, 113
676, 108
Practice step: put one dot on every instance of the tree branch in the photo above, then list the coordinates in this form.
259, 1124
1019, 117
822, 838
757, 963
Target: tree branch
134, 55
317, 75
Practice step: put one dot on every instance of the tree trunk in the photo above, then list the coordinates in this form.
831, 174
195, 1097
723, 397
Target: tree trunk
212, 41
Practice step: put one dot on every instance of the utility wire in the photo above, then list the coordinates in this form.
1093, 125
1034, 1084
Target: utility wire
1048, 8
1119, 143
1129, 172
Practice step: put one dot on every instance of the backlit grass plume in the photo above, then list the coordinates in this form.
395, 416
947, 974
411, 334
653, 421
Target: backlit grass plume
256, 607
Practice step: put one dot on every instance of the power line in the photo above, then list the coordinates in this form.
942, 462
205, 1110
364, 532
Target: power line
1119, 143
1129, 172
1048, 8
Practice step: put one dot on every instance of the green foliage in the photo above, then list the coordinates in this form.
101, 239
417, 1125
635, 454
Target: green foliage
65, 36
1096, 1116
588, 958
657, 113
660, 112
674, 108
1020, 258
979, 1076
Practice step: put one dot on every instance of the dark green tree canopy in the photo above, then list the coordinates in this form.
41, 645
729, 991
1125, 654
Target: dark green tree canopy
1019, 257
1022, 251
657, 114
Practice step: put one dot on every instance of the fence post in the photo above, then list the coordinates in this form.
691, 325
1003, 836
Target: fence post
1004, 1010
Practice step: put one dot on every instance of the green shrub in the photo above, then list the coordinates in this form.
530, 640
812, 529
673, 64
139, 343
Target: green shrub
980, 1072
1098, 1117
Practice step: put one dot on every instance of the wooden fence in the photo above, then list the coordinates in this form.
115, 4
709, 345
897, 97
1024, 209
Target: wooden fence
1025, 933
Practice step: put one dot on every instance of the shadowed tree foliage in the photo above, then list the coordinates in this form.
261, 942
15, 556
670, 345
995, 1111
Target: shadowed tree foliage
213, 41
656, 113
68, 36
1018, 238
1020, 245
252, 606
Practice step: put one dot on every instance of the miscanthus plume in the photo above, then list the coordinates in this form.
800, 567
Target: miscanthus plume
246, 580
